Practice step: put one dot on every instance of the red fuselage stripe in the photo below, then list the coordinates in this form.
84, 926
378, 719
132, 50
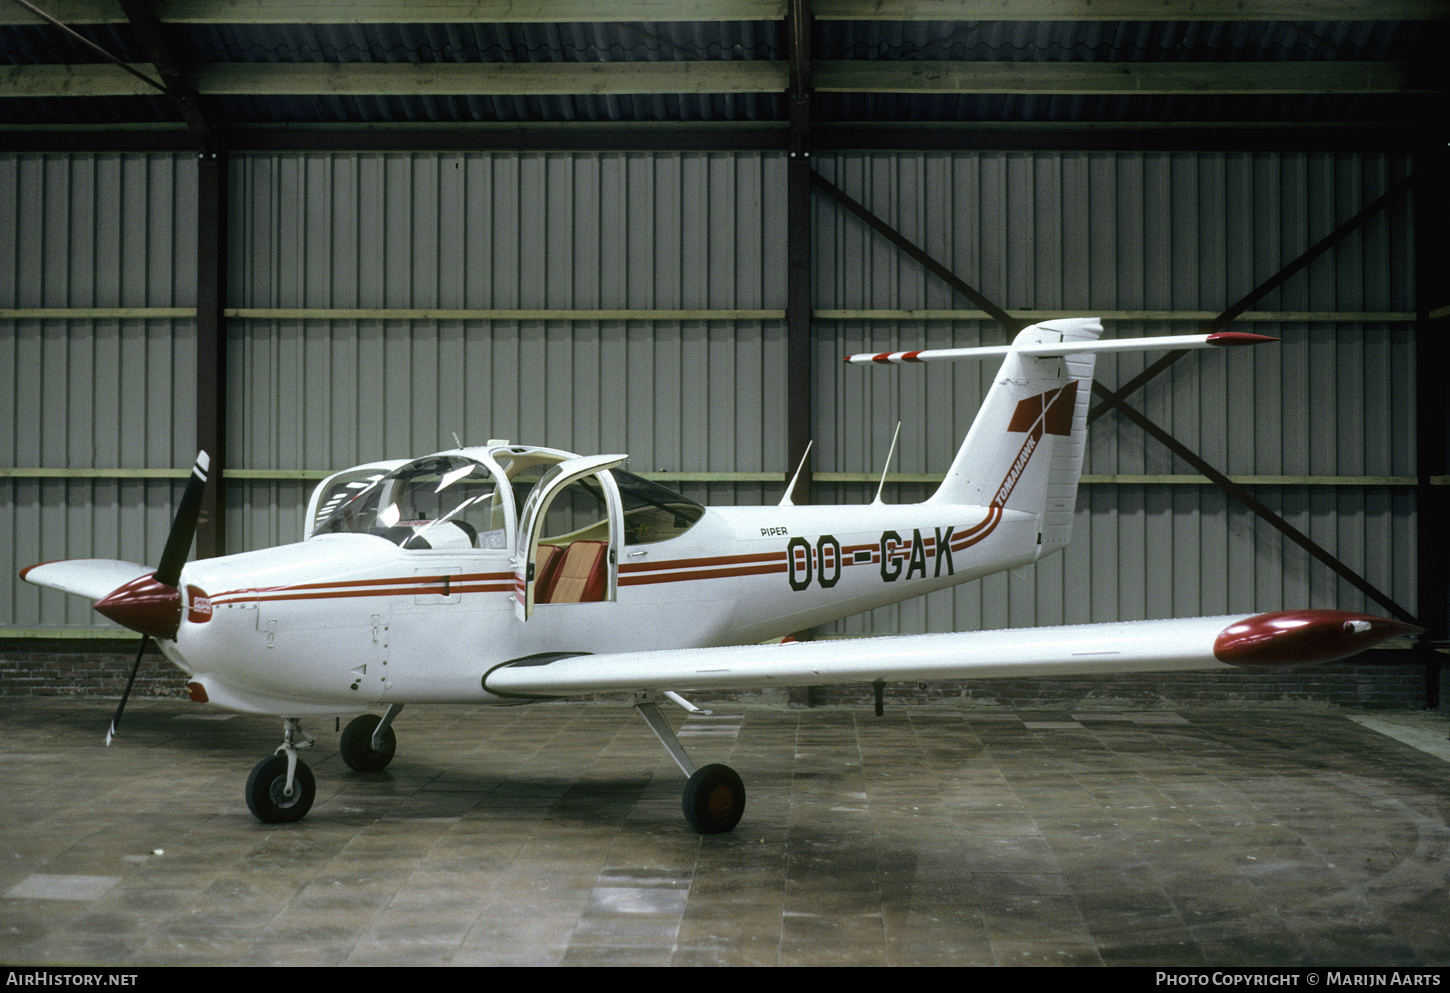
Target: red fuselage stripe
684, 577
701, 562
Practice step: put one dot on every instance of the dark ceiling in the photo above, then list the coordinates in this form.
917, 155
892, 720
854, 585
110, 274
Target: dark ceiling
649, 73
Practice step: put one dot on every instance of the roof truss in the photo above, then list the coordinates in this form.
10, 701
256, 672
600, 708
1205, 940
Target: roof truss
587, 11
539, 79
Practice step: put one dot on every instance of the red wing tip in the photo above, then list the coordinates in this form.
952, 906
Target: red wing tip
1226, 338
1304, 637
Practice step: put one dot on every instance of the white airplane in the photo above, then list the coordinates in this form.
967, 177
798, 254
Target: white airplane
509, 574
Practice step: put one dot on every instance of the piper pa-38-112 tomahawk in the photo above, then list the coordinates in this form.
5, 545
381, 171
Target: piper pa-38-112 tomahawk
509, 574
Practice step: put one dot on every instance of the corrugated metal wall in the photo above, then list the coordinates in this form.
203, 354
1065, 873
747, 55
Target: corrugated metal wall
1100, 232
1075, 232
92, 231
688, 232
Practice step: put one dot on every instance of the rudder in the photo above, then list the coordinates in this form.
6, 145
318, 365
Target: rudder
1025, 449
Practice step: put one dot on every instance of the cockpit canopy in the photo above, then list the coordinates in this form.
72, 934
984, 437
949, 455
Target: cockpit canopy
442, 501
455, 501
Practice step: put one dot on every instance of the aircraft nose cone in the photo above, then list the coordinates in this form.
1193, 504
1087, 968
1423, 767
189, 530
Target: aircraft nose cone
1304, 637
144, 605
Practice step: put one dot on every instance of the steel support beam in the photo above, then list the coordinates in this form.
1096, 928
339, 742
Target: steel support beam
1431, 207
1010, 323
597, 11
798, 248
211, 345
1244, 497
1279, 278
799, 385
749, 137
174, 73
211, 267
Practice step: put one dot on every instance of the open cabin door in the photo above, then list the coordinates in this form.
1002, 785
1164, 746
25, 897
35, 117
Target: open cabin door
570, 532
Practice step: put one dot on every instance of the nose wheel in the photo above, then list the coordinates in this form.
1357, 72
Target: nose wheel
281, 789
268, 794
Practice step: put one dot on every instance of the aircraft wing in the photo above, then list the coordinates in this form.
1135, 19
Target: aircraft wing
90, 578
1284, 638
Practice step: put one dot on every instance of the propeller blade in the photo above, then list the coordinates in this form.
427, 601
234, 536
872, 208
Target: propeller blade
153, 604
183, 529
126, 693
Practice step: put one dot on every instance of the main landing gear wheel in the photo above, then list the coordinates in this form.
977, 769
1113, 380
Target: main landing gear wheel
267, 796
356, 745
714, 799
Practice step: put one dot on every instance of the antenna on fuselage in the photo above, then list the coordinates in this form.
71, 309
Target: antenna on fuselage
785, 500
882, 485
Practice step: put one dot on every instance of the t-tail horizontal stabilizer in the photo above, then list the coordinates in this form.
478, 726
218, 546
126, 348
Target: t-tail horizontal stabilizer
1024, 451
1162, 343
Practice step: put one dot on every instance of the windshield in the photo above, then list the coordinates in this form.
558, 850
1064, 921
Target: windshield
443, 501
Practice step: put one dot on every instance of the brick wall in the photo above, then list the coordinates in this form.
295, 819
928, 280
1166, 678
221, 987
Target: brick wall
99, 668
85, 668
1360, 685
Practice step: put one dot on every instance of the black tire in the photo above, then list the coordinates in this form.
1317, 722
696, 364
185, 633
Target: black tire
264, 791
356, 744
714, 799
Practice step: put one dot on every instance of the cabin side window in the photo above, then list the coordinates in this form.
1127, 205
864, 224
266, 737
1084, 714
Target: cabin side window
653, 512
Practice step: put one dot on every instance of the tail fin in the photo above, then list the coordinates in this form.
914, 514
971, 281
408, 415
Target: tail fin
1024, 450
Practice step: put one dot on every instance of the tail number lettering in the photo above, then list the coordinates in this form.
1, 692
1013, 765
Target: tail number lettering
900, 559
824, 565
894, 552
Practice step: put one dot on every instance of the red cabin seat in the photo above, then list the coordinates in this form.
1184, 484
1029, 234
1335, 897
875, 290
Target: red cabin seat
546, 564
579, 576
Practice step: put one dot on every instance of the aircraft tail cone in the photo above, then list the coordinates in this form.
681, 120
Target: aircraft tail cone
144, 605
1304, 637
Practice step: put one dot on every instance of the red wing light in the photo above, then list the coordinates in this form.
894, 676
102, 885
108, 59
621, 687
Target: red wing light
1304, 637
1225, 338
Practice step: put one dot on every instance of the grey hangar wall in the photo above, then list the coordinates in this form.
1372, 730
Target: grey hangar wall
380, 303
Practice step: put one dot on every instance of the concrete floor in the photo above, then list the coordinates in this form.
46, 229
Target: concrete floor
553, 835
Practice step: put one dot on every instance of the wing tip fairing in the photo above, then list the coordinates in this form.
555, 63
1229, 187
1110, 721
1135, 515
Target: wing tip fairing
90, 578
1304, 637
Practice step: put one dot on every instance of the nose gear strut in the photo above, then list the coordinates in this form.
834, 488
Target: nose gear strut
281, 789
